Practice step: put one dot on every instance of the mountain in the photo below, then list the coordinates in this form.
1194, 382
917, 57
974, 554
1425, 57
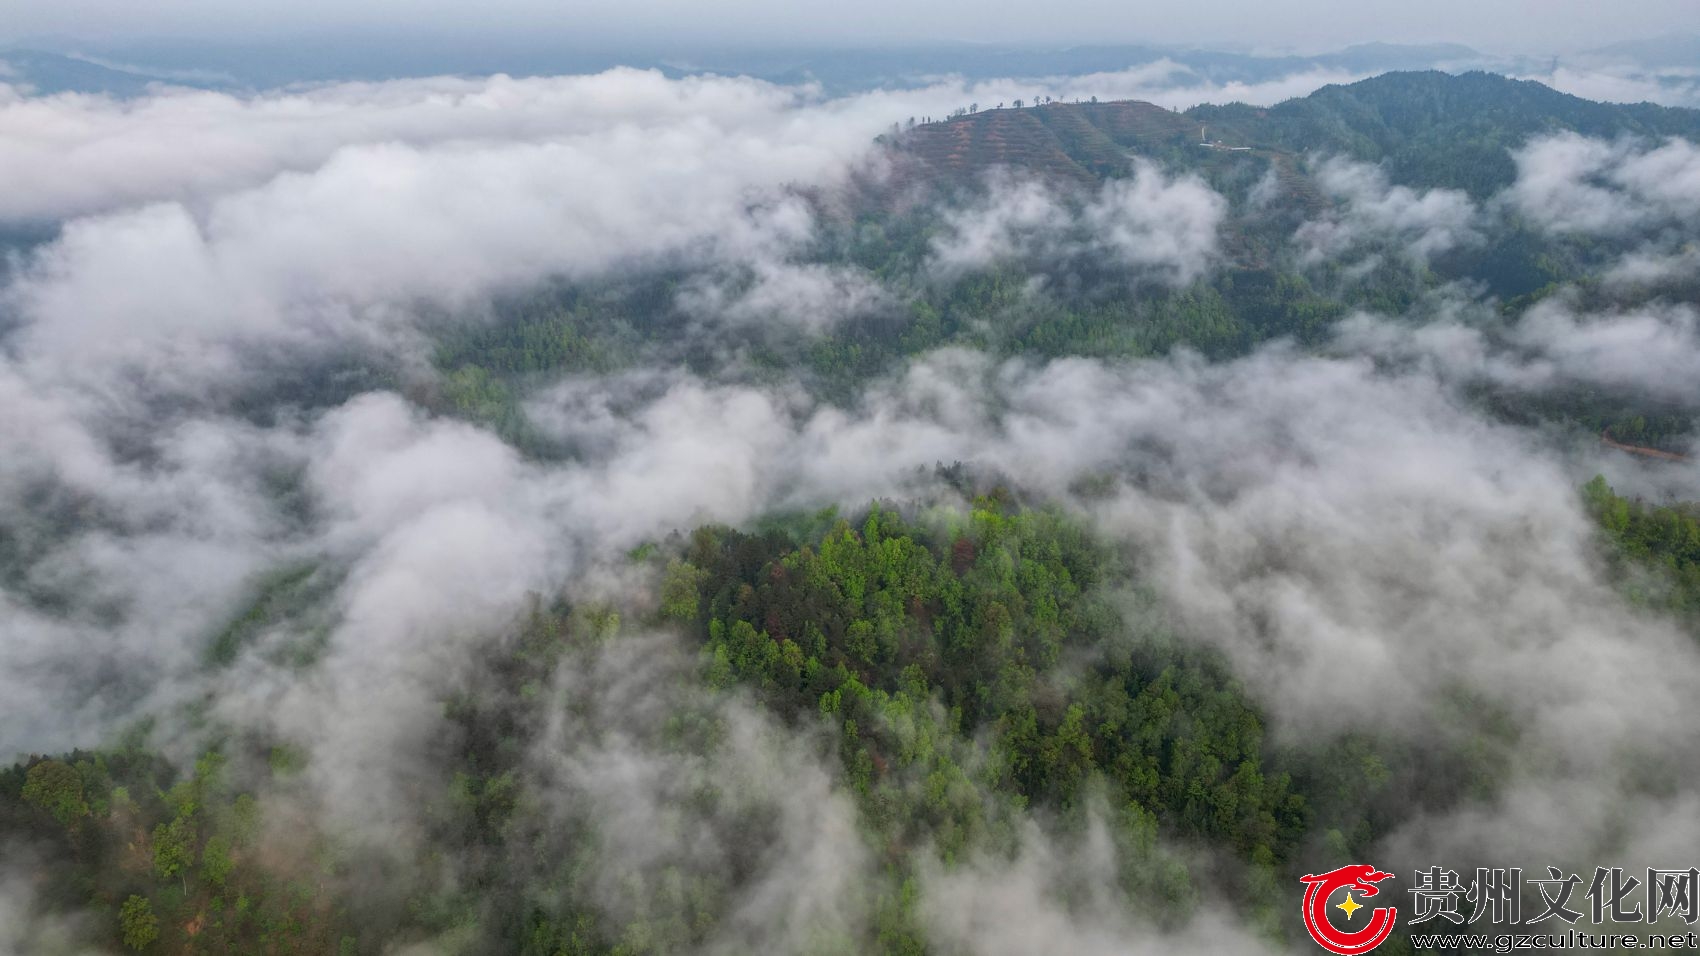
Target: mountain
1072, 141
47, 73
1437, 129
1680, 50
1378, 57
1427, 128
265, 64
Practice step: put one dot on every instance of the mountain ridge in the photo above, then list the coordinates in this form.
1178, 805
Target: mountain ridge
1429, 128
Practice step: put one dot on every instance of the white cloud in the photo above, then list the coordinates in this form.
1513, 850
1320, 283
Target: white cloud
1164, 82
88, 154
1650, 267
1569, 183
1159, 226
339, 254
774, 813
1422, 223
1625, 83
1651, 351
1063, 895
1150, 221
1014, 218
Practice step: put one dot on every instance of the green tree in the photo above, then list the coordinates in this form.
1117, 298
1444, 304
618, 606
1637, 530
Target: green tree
138, 922
57, 788
174, 846
679, 590
216, 861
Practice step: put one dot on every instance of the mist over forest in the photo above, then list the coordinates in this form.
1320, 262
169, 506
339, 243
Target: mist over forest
943, 502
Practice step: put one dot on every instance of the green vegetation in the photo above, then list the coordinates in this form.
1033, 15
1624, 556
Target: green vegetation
177, 862
140, 925
1655, 550
291, 593
973, 670
876, 625
969, 665
1424, 129
1434, 129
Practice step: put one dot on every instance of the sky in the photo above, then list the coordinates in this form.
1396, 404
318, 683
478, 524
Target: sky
1302, 25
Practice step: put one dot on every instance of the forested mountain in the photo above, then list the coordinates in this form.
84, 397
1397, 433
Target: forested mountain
1429, 129
1435, 129
1381, 238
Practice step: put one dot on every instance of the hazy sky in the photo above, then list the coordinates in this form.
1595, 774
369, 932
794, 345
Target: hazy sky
1494, 25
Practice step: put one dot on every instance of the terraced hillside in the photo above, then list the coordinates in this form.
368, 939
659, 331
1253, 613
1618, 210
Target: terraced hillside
1086, 143
1082, 142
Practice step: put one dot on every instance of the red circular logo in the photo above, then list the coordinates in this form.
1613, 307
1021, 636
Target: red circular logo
1359, 879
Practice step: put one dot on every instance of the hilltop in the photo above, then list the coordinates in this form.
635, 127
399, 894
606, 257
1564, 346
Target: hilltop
1071, 141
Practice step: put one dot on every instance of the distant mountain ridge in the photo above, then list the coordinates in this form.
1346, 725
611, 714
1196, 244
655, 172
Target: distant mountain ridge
1675, 49
46, 73
50, 64
1427, 128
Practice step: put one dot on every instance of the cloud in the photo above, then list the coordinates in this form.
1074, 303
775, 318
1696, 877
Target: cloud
91, 154
303, 219
1166, 228
1365, 550
440, 534
752, 805
358, 232
25, 925
1650, 351
1286, 501
1164, 82
1014, 217
774, 290
225, 241
1064, 894
1372, 210
1653, 350
1569, 183
342, 255
1650, 267
1150, 221
116, 569
1265, 191
1625, 83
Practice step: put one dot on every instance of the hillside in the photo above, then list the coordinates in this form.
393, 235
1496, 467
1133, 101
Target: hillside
1082, 142
1428, 128
1436, 129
